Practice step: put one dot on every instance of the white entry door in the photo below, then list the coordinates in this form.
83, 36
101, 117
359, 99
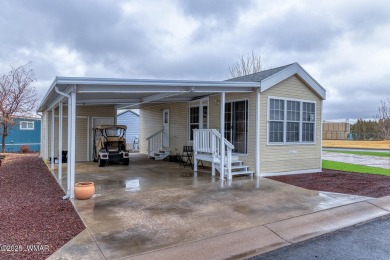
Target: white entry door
165, 136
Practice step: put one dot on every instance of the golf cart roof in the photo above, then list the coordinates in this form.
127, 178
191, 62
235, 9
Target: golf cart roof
111, 127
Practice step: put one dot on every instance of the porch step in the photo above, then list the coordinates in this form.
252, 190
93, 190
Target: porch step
243, 173
161, 154
236, 167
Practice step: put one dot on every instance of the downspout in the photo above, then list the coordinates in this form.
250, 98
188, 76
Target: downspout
67, 196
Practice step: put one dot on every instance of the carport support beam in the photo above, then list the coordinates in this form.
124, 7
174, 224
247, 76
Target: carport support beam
69, 163
73, 143
60, 142
222, 131
52, 138
258, 132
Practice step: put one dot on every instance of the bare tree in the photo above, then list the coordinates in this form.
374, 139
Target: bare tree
246, 65
383, 118
17, 97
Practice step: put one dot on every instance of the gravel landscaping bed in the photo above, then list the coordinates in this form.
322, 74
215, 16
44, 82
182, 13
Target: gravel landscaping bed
362, 184
35, 220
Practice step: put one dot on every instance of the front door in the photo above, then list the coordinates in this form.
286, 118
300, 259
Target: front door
236, 125
165, 136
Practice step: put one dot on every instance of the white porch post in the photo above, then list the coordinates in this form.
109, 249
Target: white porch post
52, 138
222, 131
60, 142
258, 132
73, 143
69, 162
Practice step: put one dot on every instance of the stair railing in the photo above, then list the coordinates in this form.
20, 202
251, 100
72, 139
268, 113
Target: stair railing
155, 141
208, 141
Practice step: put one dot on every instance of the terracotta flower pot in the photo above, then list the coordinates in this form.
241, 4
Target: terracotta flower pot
84, 190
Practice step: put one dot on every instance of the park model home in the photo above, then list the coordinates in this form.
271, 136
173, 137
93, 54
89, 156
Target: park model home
267, 123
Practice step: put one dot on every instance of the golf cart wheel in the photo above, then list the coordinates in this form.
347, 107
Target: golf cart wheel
126, 161
102, 162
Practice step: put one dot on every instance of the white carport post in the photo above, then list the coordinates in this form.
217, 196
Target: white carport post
72, 141
60, 142
46, 116
258, 132
52, 138
222, 131
68, 180
69, 162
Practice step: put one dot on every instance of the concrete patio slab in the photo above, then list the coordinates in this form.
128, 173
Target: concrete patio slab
149, 208
81, 245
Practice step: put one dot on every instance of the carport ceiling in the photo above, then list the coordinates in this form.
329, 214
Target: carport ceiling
133, 93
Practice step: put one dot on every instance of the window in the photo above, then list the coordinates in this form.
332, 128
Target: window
198, 116
276, 113
194, 120
308, 119
26, 125
291, 121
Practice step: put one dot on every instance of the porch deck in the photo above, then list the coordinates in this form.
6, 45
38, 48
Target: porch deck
148, 206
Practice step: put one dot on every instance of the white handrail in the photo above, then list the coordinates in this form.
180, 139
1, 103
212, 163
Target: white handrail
207, 141
154, 141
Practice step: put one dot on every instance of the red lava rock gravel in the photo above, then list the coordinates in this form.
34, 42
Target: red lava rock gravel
34, 219
362, 184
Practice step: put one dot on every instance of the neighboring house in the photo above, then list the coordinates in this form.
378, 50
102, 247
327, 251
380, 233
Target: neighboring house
271, 119
26, 131
130, 119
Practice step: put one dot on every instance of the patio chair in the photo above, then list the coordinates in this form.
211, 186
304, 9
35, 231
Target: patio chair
186, 158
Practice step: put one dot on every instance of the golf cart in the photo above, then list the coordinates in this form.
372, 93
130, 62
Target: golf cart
110, 144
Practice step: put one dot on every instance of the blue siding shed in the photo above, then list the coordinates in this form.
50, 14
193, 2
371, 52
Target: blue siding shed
131, 120
26, 131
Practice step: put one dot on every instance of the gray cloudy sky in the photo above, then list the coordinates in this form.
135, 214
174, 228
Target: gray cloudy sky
344, 45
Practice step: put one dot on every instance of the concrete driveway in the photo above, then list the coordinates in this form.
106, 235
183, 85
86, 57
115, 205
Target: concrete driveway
374, 161
148, 210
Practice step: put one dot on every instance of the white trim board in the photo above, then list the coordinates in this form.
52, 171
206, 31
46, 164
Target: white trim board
290, 172
294, 69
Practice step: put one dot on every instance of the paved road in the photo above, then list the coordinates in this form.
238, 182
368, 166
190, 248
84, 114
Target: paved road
366, 241
375, 161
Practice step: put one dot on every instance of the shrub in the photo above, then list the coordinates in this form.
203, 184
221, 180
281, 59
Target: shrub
24, 148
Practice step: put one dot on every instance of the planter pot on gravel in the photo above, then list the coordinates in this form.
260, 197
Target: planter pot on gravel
84, 190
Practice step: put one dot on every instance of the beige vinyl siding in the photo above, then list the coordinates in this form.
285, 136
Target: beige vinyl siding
151, 122
295, 157
84, 119
249, 159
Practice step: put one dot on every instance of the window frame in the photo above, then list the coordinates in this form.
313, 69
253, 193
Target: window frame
27, 123
285, 121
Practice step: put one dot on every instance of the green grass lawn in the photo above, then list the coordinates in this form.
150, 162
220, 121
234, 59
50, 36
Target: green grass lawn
381, 154
348, 167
